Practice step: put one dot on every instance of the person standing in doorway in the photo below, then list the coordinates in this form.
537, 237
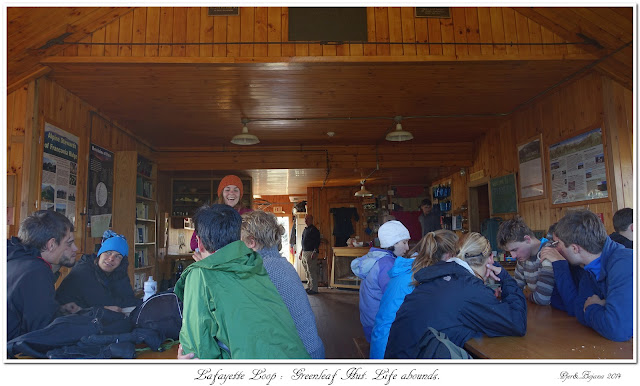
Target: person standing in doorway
429, 218
309, 254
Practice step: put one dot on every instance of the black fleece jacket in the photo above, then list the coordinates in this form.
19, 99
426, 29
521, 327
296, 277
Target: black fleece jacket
31, 303
89, 286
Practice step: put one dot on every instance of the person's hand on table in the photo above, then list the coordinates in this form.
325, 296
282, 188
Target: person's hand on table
594, 299
182, 355
550, 254
70, 308
528, 294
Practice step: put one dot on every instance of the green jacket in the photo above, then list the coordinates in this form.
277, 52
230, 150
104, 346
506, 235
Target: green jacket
229, 298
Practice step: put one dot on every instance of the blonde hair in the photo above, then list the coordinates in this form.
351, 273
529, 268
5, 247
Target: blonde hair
475, 249
432, 248
263, 227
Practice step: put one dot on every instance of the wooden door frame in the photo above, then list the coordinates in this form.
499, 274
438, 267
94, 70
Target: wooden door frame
473, 208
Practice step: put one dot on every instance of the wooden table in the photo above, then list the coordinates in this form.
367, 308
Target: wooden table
341, 274
551, 334
171, 353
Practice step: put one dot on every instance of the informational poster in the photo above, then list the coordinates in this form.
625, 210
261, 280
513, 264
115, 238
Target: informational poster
59, 172
578, 169
100, 189
531, 172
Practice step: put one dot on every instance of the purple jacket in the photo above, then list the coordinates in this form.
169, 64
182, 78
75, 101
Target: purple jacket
373, 268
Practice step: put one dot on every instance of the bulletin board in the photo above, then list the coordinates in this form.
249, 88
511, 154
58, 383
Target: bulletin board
577, 169
531, 174
503, 194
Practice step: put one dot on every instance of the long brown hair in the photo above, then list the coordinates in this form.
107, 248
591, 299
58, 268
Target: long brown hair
431, 248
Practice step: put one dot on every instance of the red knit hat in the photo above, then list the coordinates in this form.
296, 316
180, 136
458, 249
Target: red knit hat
230, 180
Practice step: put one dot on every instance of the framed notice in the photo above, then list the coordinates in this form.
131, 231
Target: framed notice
531, 175
59, 171
578, 170
100, 198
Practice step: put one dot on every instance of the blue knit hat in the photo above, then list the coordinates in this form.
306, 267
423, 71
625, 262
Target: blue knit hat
112, 241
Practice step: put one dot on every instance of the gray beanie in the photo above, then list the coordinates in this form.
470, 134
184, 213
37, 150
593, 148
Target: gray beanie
391, 232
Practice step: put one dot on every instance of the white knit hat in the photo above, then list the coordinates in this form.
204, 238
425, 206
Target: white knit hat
391, 232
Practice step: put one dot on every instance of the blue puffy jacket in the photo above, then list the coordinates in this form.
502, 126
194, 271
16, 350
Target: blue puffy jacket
399, 287
373, 269
454, 301
614, 284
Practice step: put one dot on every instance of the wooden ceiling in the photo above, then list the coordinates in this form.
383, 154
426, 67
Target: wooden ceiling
192, 103
208, 101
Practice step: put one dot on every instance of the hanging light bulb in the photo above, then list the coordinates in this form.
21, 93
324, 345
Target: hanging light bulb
245, 138
399, 135
363, 192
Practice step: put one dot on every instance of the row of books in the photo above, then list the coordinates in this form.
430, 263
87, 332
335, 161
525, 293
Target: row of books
138, 281
142, 210
142, 233
141, 258
144, 188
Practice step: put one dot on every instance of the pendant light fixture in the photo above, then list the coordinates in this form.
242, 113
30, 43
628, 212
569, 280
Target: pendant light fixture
363, 192
245, 138
399, 135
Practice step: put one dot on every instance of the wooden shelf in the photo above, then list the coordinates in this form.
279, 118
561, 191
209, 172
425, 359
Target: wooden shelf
130, 169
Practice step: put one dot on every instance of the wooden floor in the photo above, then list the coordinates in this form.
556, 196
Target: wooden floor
338, 321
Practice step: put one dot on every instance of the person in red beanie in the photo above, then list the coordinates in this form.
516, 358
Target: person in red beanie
230, 192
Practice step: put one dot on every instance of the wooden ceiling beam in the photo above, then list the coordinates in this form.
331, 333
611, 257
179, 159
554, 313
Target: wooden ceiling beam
339, 157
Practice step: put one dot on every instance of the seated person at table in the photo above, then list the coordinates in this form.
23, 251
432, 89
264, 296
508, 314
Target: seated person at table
101, 280
532, 275
623, 224
373, 268
603, 298
433, 247
262, 233
232, 310
452, 298
45, 242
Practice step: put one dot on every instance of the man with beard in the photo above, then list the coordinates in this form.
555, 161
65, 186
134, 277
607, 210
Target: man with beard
45, 242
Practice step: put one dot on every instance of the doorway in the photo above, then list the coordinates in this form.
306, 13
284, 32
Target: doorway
284, 247
479, 209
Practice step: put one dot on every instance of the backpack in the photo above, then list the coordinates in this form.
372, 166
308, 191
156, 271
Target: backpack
436, 345
162, 312
68, 330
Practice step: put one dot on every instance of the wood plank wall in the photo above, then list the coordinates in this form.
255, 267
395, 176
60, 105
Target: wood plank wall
319, 202
45, 101
591, 101
20, 115
156, 25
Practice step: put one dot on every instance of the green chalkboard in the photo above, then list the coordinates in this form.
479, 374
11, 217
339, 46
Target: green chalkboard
503, 194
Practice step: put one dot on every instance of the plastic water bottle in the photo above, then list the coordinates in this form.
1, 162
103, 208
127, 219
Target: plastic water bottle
150, 287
